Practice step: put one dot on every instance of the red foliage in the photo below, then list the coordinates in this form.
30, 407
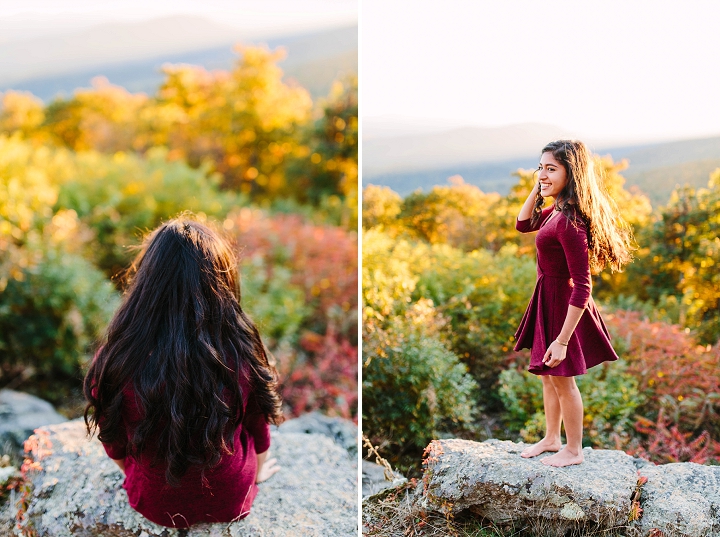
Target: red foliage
325, 377
682, 382
322, 373
665, 445
324, 260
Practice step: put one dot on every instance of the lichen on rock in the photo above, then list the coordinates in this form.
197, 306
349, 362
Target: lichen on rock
681, 499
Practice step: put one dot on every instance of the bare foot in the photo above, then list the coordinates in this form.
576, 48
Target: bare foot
541, 447
563, 458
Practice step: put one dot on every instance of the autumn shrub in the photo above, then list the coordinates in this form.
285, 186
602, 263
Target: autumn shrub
665, 443
53, 302
51, 313
299, 283
322, 261
679, 378
455, 214
123, 196
321, 375
676, 264
610, 398
413, 386
380, 207
483, 295
276, 305
388, 279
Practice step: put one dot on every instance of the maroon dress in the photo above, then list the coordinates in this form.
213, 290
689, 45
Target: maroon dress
563, 278
228, 490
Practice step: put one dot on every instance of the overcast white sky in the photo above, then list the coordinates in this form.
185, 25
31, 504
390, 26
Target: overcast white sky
630, 69
254, 16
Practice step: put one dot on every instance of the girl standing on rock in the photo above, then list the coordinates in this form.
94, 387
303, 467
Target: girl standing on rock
580, 231
181, 389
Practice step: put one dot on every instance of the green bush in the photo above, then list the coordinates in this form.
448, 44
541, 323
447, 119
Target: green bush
272, 301
412, 384
388, 279
610, 397
51, 314
484, 296
123, 196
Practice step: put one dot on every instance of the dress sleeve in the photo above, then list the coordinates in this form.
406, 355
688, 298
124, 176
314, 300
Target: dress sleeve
574, 241
256, 424
524, 226
118, 449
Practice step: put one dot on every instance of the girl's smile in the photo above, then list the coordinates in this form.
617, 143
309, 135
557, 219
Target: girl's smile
552, 176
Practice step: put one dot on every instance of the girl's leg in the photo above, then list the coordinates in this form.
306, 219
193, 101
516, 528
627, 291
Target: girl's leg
553, 417
572, 415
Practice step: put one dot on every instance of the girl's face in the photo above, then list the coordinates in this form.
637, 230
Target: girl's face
552, 176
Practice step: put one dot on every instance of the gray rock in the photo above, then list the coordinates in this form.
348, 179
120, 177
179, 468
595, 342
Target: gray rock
681, 499
7, 502
342, 431
20, 415
374, 481
77, 492
492, 480
6, 473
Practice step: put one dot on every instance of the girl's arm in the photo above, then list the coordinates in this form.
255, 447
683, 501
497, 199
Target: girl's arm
573, 238
556, 351
523, 223
265, 468
120, 463
527, 208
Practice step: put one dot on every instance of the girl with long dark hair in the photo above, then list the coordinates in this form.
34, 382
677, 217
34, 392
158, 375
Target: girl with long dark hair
181, 388
581, 231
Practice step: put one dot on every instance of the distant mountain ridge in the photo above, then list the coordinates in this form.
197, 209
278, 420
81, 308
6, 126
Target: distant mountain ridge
314, 59
458, 146
655, 168
108, 44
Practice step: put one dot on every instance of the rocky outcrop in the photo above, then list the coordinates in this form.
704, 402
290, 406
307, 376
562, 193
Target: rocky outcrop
343, 432
681, 499
493, 481
375, 479
20, 415
76, 491
7, 498
600, 496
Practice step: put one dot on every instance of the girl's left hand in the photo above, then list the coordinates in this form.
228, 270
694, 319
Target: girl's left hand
268, 469
555, 354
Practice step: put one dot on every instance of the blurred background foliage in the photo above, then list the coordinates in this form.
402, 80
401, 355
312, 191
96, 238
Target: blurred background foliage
83, 178
454, 254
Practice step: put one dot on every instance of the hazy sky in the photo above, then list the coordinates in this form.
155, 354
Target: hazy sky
609, 69
251, 15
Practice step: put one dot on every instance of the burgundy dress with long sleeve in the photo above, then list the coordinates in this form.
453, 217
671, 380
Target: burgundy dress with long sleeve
563, 278
228, 490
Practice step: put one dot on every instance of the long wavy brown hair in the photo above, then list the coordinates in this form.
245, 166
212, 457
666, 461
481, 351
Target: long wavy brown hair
610, 238
182, 340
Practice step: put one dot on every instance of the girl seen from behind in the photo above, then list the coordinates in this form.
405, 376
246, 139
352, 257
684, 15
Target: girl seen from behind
181, 389
581, 231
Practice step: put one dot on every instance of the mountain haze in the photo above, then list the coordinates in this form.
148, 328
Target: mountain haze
459, 146
108, 44
132, 54
655, 168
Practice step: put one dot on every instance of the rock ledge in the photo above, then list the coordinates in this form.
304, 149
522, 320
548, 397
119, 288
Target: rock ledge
76, 491
490, 480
